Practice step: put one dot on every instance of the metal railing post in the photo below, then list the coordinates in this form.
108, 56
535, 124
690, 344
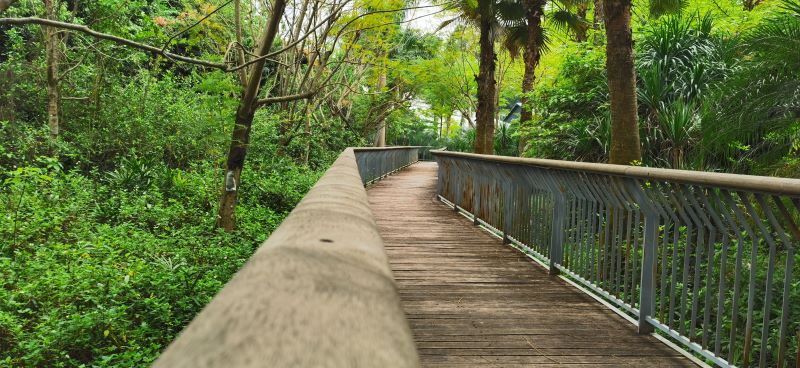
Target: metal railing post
508, 205
647, 294
557, 232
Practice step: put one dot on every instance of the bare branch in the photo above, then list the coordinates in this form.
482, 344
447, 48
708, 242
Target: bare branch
344, 27
276, 99
109, 37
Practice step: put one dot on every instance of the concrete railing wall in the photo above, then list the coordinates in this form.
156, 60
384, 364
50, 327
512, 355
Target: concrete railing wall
318, 293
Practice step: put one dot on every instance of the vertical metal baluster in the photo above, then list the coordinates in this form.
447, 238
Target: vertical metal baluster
573, 231
476, 196
787, 279
607, 232
605, 266
721, 289
594, 230
670, 208
670, 224
608, 254
583, 238
615, 222
531, 231
748, 334
619, 239
579, 260
507, 205
677, 196
635, 257
592, 241
557, 230
768, 283
648, 282
626, 250
626, 256
733, 207
770, 272
698, 259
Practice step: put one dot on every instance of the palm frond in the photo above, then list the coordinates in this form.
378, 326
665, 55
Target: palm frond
660, 8
566, 21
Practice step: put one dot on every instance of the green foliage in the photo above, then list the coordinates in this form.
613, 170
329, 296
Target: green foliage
108, 246
565, 107
106, 273
759, 106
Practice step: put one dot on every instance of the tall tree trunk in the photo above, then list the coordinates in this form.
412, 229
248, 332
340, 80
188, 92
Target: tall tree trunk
534, 9
244, 121
380, 137
237, 24
581, 31
53, 94
625, 146
307, 132
597, 21
484, 137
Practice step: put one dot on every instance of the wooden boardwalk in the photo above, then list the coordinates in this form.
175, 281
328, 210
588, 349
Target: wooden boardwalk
472, 301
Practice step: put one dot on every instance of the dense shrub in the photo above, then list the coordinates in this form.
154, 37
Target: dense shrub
107, 272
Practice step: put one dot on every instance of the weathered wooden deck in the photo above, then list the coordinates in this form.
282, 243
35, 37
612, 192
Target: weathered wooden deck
473, 301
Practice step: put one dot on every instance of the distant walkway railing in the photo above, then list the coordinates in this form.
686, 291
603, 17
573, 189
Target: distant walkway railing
374, 163
318, 293
708, 259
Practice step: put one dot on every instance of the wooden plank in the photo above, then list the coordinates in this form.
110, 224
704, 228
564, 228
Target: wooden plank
472, 301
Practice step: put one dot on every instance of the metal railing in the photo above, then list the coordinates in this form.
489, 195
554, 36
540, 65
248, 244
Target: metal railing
425, 152
318, 293
707, 259
375, 163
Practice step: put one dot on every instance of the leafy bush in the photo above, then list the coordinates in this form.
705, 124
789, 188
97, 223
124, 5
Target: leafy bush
107, 273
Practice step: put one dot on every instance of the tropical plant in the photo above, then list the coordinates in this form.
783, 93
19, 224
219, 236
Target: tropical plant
758, 107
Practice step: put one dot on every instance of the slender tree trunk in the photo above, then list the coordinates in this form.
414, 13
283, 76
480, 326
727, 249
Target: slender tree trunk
625, 146
53, 92
484, 137
307, 132
597, 21
534, 9
237, 21
380, 137
581, 31
244, 121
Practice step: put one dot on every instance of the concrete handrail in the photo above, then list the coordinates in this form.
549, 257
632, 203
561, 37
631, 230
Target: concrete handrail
751, 183
318, 293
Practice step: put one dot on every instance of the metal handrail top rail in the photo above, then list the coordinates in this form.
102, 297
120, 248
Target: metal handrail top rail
750, 183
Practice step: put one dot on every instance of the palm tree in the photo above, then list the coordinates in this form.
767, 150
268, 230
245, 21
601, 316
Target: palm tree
625, 146
531, 37
625, 143
762, 98
492, 17
487, 86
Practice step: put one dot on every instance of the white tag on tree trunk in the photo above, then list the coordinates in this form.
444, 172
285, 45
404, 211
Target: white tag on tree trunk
230, 182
